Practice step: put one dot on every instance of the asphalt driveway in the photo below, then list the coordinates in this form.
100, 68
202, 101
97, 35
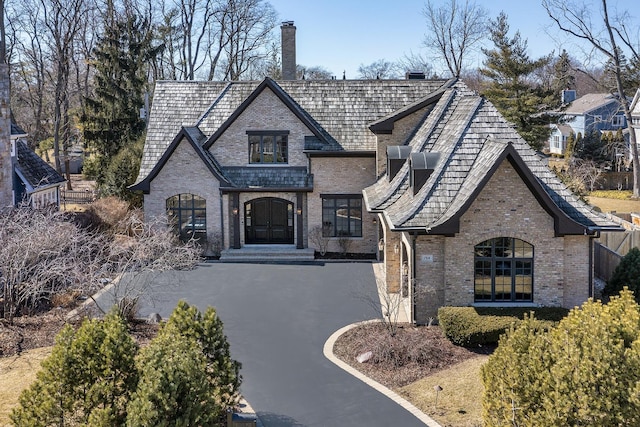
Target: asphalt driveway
277, 319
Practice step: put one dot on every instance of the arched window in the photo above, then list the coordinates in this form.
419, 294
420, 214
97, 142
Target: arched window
188, 215
503, 270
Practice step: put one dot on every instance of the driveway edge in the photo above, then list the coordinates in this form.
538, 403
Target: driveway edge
328, 353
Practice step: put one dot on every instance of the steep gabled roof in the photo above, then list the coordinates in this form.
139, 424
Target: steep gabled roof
299, 112
337, 112
196, 138
473, 139
33, 171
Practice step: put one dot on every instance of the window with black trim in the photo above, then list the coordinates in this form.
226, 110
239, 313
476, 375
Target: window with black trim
342, 215
188, 216
268, 147
503, 270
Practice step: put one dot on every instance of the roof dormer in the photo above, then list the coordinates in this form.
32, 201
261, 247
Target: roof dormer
397, 155
422, 166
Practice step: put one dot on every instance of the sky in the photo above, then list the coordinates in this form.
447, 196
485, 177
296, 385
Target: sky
341, 35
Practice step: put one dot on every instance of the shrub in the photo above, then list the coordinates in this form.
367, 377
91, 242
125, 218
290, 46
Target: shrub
173, 388
584, 371
626, 274
223, 372
86, 380
471, 326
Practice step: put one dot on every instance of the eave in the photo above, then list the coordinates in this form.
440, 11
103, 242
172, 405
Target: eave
145, 184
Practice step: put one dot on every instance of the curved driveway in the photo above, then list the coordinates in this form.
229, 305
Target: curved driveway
277, 318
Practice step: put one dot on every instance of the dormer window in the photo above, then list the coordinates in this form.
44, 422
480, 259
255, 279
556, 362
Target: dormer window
397, 155
268, 147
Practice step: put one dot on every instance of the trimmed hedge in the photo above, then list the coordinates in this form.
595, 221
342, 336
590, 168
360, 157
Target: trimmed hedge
474, 326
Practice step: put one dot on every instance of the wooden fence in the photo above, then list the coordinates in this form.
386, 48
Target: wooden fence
605, 261
77, 197
621, 242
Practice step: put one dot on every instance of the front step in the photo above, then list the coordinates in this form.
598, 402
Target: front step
267, 253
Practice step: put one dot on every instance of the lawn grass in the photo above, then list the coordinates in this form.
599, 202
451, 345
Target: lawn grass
606, 204
459, 402
16, 374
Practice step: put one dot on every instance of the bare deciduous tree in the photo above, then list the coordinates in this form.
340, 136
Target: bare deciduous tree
43, 253
380, 69
454, 29
608, 36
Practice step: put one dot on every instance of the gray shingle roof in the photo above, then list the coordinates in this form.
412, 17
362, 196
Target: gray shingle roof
269, 177
471, 137
342, 109
33, 169
588, 102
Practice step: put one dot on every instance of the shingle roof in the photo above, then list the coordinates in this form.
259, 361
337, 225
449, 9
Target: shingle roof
472, 138
269, 177
341, 109
588, 102
33, 169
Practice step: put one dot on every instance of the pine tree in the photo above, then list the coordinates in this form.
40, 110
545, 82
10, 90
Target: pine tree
87, 379
223, 372
174, 389
563, 74
626, 274
508, 67
112, 120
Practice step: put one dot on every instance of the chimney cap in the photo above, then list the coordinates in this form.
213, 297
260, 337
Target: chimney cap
287, 23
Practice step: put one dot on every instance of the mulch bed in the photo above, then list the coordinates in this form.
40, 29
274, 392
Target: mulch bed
413, 353
29, 332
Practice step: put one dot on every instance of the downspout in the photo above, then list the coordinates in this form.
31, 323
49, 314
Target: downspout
221, 221
413, 278
593, 236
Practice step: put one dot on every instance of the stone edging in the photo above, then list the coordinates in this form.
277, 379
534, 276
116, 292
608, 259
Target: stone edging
328, 353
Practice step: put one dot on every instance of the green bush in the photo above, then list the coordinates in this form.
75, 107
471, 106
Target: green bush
87, 379
473, 326
626, 274
585, 371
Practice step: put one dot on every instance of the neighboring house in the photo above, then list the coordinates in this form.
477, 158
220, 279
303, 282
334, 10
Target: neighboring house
594, 112
35, 182
427, 172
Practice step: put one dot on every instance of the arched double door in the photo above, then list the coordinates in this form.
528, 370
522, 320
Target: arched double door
268, 220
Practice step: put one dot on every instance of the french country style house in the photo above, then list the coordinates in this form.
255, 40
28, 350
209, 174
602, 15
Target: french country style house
423, 174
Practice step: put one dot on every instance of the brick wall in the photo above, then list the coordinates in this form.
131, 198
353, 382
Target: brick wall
505, 208
185, 172
401, 131
343, 175
266, 112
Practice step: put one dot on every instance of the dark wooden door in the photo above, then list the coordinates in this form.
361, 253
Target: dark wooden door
269, 220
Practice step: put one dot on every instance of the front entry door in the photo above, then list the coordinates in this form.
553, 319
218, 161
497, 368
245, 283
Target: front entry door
268, 220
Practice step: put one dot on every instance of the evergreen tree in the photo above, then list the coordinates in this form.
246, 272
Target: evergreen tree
585, 371
174, 389
626, 274
563, 76
508, 67
223, 372
571, 144
87, 379
111, 120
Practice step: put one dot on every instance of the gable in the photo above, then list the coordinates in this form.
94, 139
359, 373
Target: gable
265, 113
473, 139
187, 140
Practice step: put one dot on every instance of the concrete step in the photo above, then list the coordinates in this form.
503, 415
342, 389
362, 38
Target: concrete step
267, 253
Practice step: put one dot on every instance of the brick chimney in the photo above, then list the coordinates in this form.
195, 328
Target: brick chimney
288, 50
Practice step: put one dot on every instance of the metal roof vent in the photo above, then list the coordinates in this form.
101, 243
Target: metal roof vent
422, 166
397, 155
